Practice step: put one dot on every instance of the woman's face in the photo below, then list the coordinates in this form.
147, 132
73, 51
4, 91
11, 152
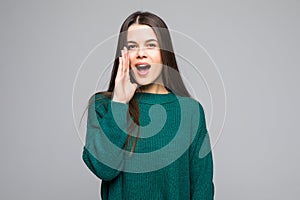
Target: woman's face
144, 54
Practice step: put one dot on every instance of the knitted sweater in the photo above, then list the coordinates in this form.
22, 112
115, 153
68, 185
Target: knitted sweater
172, 159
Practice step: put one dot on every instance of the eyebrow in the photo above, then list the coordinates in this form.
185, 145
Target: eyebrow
150, 40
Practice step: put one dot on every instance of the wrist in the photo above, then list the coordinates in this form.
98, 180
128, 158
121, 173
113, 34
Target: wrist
115, 99
119, 101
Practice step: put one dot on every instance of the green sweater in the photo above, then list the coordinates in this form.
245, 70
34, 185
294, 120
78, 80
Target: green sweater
172, 159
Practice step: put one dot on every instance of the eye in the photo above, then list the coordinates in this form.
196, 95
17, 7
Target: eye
131, 46
151, 45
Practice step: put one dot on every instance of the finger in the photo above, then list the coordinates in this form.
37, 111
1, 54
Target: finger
126, 61
123, 61
120, 67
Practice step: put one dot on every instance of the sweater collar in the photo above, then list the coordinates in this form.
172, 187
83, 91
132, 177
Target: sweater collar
154, 98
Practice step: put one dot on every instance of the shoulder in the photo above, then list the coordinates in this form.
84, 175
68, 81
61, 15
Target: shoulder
193, 110
100, 99
191, 103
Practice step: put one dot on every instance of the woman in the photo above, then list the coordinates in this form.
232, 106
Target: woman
144, 134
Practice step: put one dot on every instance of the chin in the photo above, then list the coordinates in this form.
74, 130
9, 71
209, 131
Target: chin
144, 83
147, 81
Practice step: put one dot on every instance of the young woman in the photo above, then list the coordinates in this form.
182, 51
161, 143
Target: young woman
145, 133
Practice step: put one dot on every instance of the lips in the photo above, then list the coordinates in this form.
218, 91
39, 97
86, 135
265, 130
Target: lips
143, 68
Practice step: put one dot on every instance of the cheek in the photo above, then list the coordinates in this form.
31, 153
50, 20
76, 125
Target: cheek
157, 69
156, 57
130, 56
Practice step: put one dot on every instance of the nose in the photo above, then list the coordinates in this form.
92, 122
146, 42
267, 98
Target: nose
141, 52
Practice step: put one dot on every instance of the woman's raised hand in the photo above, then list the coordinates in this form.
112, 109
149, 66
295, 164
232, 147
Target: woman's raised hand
124, 88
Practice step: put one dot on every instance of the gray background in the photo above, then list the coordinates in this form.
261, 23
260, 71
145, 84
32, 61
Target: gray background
254, 44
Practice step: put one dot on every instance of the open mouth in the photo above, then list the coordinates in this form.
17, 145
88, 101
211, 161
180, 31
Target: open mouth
143, 67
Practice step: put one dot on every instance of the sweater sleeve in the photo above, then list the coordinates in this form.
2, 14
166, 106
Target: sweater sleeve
201, 163
105, 137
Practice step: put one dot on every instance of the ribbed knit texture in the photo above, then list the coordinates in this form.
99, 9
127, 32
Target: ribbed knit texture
168, 117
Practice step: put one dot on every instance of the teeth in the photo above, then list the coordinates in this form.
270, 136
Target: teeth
143, 66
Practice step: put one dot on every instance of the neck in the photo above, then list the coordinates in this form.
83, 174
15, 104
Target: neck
154, 88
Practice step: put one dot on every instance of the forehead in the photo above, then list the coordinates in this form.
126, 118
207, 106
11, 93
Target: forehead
140, 33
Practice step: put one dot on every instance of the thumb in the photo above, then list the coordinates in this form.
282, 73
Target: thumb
135, 85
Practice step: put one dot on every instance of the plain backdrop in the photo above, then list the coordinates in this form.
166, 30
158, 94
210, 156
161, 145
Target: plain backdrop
255, 45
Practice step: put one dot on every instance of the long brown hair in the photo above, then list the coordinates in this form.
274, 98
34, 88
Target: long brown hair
172, 81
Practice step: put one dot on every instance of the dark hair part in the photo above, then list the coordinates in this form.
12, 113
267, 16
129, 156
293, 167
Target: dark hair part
170, 73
